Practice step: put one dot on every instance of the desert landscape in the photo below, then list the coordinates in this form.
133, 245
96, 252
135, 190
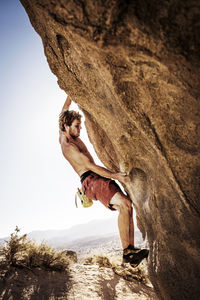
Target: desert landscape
133, 70
94, 270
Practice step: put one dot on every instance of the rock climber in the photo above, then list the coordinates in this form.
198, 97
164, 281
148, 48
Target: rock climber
98, 182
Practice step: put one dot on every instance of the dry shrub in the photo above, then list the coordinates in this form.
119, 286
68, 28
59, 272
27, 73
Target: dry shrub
45, 256
129, 273
13, 246
21, 252
99, 260
123, 270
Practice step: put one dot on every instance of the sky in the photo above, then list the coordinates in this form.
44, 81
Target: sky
37, 185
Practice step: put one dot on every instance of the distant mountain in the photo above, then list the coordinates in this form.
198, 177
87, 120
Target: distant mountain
79, 235
2, 241
105, 241
92, 228
92, 233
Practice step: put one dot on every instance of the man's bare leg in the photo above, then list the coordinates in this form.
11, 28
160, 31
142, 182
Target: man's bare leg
126, 230
131, 229
125, 219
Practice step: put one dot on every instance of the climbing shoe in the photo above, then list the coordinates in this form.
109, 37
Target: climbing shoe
134, 256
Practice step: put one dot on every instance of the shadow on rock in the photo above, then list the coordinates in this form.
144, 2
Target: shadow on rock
34, 285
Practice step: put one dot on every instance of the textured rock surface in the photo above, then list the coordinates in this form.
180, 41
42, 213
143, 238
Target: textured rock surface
133, 68
94, 282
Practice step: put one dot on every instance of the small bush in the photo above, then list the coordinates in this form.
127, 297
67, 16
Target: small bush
99, 260
13, 246
21, 252
127, 272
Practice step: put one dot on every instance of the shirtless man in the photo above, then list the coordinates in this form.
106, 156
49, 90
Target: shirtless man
97, 182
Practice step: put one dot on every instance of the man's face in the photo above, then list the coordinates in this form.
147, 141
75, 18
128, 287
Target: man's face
75, 128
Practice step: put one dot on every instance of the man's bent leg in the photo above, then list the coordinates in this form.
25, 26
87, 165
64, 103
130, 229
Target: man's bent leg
131, 255
125, 218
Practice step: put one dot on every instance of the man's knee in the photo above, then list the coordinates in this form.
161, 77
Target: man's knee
125, 204
121, 201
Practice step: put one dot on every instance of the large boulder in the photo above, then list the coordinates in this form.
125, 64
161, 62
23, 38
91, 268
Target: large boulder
133, 68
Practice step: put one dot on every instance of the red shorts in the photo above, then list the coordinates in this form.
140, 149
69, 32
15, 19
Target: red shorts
100, 188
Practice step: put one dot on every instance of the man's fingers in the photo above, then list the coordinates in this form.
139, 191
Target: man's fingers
123, 173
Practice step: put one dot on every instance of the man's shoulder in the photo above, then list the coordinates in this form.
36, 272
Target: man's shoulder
80, 142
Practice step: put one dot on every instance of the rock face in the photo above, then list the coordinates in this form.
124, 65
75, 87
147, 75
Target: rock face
133, 68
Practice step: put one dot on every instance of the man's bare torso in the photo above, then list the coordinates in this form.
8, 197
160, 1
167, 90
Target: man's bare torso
72, 150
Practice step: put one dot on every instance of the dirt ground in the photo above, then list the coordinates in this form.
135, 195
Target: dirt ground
79, 282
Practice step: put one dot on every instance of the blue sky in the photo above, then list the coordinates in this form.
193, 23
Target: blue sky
37, 185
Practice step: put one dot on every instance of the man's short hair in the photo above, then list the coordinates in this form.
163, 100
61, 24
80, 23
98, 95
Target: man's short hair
67, 117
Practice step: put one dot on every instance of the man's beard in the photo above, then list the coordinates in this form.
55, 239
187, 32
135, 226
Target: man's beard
74, 136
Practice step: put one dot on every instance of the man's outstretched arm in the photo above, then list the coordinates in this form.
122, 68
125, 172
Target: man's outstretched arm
75, 155
67, 103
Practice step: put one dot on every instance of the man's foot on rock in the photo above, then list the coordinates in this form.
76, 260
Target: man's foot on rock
134, 256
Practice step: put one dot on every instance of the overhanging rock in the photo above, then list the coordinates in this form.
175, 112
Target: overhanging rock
133, 68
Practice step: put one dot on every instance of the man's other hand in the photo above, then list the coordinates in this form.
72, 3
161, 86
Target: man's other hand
123, 177
68, 100
67, 103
